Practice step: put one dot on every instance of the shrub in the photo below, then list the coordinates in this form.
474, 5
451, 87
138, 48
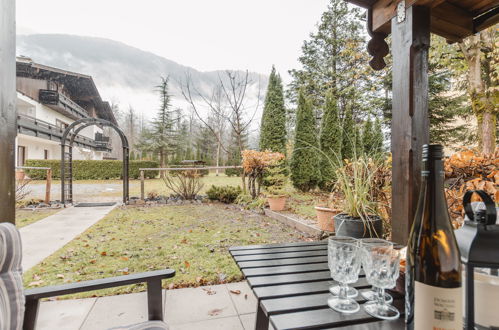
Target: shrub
233, 171
224, 194
254, 165
187, 184
91, 169
249, 203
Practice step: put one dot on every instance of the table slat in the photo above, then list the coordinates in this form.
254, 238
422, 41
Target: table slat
306, 302
270, 246
289, 290
279, 250
282, 262
284, 269
324, 318
283, 255
257, 281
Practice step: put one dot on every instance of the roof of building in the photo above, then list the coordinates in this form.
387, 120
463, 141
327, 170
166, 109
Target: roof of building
81, 87
451, 19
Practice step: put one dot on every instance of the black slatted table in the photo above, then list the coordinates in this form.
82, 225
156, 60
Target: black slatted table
291, 282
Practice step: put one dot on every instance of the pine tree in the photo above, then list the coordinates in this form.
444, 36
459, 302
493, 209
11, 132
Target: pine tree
161, 137
273, 126
330, 142
349, 134
304, 164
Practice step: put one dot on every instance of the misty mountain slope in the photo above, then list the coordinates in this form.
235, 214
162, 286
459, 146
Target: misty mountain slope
124, 74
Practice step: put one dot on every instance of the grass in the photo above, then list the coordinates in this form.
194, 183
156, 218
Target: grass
192, 239
27, 217
156, 185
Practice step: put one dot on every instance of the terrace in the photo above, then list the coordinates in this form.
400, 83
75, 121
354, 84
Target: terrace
196, 242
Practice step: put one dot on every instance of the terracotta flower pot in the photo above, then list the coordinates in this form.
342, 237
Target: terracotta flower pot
325, 218
277, 203
20, 175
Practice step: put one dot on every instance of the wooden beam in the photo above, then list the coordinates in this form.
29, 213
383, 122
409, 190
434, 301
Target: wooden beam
8, 116
410, 127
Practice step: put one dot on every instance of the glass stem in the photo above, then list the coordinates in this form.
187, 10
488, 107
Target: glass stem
381, 296
343, 291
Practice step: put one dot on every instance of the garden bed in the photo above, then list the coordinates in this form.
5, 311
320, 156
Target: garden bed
192, 239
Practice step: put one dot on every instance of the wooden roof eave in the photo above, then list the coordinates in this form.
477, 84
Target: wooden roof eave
448, 20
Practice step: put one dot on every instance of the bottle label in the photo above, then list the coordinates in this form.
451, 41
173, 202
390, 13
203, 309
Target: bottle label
437, 308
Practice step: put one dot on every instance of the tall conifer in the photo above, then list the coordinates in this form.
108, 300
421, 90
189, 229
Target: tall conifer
349, 134
273, 126
368, 136
330, 142
304, 165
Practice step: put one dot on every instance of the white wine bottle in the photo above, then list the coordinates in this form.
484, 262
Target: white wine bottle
433, 271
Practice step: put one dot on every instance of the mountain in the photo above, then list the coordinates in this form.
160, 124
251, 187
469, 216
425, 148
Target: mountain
124, 74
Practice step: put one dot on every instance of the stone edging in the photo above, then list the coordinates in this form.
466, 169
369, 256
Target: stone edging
295, 223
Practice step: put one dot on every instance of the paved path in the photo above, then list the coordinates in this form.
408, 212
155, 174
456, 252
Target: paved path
82, 192
46, 236
185, 309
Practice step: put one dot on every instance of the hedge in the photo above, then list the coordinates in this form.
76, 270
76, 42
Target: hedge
91, 169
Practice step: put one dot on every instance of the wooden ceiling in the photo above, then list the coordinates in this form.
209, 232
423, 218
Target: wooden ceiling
451, 19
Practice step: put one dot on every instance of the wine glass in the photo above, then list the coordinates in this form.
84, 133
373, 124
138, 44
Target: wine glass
382, 270
335, 289
345, 267
374, 243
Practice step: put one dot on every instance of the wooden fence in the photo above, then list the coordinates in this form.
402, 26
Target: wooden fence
142, 177
48, 184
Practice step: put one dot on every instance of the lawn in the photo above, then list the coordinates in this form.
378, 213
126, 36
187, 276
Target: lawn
27, 217
192, 239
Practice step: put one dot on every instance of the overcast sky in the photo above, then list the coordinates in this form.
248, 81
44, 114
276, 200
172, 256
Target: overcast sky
204, 34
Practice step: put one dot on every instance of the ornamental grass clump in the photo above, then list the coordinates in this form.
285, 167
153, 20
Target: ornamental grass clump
363, 182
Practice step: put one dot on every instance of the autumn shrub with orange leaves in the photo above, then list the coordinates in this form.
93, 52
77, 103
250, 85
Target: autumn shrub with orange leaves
470, 170
254, 165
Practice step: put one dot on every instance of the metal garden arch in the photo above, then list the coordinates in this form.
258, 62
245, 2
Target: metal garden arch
67, 157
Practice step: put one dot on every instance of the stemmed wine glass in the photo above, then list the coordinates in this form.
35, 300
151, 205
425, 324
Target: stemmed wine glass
335, 289
381, 266
367, 244
345, 267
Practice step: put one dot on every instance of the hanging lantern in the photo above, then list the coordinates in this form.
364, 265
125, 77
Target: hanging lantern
478, 241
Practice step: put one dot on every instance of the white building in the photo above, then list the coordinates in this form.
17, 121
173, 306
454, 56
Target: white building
50, 99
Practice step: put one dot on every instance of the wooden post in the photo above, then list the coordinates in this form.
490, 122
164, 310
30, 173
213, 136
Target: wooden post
48, 186
410, 127
142, 185
8, 113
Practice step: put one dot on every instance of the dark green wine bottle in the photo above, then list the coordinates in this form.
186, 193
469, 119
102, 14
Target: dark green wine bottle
433, 268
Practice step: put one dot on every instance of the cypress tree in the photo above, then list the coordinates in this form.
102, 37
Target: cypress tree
330, 142
273, 126
349, 134
304, 165
378, 137
368, 137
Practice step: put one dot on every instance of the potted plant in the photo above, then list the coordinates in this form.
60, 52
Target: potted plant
360, 182
326, 212
275, 182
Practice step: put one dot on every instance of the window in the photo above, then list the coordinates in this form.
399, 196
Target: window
61, 124
21, 155
45, 154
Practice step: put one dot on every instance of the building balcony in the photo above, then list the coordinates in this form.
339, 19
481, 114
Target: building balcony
62, 104
41, 129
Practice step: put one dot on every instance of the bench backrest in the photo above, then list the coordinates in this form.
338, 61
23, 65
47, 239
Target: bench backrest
11, 285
